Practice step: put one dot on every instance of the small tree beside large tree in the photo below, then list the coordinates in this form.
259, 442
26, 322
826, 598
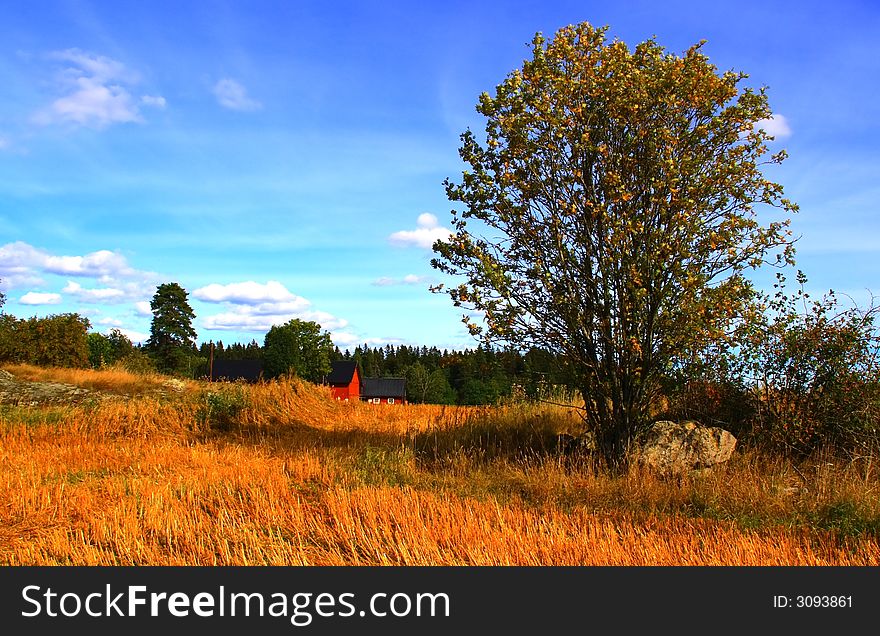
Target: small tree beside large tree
611, 215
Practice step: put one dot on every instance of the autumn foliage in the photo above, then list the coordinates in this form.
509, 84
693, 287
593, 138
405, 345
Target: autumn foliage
611, 215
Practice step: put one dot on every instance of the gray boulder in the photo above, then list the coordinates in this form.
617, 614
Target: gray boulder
680, 447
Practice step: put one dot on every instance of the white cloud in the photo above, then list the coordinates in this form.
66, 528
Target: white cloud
257, 307
248, 292
427, 232
38, 298
95, 295
343, 339
99, 67
22, 264
4, 143
101, 263
94, 92
142, 308
155, 101
775, 125
20, 255
232, 95
111, 322
18, 278
238, 320
409, 279
137, 337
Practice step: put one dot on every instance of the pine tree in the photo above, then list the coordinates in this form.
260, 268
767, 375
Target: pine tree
172, 337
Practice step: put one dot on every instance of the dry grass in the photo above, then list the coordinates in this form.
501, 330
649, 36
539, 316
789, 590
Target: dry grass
116, 381
281, 474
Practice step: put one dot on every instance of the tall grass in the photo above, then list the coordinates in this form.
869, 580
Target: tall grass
294, 477
114, 380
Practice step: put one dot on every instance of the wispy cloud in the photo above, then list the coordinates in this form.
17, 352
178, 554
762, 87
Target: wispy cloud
39, 298
155, 101
345, 339
776, 125
428, 231
232, 95
409, 279
95, 92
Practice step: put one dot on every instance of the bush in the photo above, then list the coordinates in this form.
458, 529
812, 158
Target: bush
812, 373
712, 402
138, 362
222, 408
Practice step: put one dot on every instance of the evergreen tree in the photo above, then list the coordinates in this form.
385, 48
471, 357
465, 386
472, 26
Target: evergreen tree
172, 337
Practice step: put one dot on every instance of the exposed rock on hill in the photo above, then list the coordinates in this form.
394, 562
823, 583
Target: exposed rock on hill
21, 392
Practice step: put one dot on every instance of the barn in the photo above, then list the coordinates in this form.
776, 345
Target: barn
346, 384
233, 370
344, 380
384, 390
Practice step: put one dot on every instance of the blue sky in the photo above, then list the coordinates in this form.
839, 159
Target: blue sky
286, 159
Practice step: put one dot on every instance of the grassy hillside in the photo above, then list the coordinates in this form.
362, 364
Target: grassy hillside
143, 471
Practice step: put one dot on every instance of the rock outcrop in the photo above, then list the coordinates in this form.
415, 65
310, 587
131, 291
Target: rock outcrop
679, 447
20, 392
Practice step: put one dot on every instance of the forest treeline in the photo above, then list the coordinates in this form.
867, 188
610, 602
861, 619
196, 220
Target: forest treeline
470, 377
798, 382
482, 375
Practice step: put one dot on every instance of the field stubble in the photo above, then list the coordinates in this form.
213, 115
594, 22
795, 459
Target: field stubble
280, 474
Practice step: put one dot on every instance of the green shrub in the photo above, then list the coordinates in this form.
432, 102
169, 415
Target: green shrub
221, 408
138, 362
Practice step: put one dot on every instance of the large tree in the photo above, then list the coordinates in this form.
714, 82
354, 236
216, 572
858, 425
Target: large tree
172, 337
610, 216
297, 347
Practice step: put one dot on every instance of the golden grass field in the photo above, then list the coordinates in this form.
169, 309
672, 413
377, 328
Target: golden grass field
279, 474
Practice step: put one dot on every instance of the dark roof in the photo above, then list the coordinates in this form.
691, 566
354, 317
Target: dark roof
250, 370
384, 387
341, 372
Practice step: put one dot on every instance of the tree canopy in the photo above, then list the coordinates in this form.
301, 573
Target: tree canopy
611, 215
59, 340
297, 347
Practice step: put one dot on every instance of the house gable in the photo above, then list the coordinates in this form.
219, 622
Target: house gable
344, 380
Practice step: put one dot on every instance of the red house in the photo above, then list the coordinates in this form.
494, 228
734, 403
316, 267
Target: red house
345, 380
384, 390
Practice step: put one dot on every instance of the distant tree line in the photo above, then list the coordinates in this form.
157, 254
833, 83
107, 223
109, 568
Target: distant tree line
472, 376
806, 372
